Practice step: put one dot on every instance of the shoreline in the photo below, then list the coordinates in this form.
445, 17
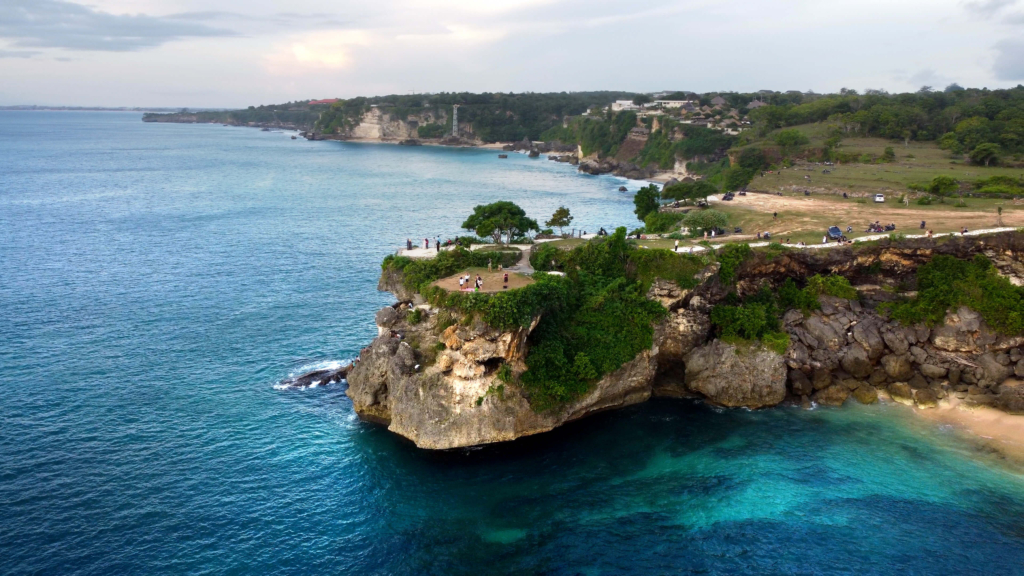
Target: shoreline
1000, 431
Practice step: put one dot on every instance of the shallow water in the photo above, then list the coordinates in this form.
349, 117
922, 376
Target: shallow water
158, 280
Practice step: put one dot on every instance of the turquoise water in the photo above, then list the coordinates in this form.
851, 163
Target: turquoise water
158, 280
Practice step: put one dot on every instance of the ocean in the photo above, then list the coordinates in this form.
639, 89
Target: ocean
157, 281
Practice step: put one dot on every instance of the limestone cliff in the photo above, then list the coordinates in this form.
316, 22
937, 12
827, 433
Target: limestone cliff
438, 379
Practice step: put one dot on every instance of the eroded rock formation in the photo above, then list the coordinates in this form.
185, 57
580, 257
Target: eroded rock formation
438, 381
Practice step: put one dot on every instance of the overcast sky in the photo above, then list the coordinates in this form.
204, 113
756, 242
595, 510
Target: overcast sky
233, 53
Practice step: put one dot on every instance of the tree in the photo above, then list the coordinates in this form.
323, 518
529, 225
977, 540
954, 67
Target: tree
560, 219
689, 190
889, 155
499, 218
705, 220
641, 99
943, 185
736, 178
986, 154
646, 201
791, 139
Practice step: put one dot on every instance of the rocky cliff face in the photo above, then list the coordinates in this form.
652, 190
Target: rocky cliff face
439, 385
436, 381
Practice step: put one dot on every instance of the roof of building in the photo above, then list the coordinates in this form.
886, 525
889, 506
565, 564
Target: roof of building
718, 100
756, 104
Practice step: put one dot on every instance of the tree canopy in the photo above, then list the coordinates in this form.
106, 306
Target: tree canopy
498, 219
560, 219
647, 200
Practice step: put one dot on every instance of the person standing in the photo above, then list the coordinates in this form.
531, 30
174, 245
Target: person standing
408, 244
676, 247
437, 244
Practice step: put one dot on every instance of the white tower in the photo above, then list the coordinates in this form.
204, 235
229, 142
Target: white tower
455, 120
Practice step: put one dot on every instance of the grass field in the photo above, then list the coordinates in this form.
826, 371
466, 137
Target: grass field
917, 163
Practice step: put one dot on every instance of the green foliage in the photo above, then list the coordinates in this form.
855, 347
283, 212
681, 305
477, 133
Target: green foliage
416, 316
777, 341
705, 220
889, 155
504, 373
832, 285
646, 265
791, 140
985, 154
792, 297
658, 222
947, 283
560, 219
546, 257
432, 130
943, 185
924, 201
605, 323
737, 178
499, 218
646, 201
731, 256
700, 189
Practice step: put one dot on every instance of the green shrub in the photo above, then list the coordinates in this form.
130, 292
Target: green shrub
924, 201
832, 285
699, 221
658, 222
777, 341
416, 316
947, 283
731, 256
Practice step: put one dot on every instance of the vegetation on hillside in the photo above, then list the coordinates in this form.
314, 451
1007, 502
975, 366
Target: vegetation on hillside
947, 283
494, 117
959, 120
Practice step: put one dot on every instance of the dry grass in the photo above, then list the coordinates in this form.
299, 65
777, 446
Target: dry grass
493, 281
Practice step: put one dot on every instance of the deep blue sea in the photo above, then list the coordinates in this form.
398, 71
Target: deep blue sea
157, 280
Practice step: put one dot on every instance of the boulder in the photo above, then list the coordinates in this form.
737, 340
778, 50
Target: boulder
919, 355
856, 361
897, 366
926, 398
896, 341
867, 335
932, 371
1018, 369
994, 371
878, 376
866, 394
901, 392
386, 317
917, 382
823, 333
821, 379
752, 377
834, 395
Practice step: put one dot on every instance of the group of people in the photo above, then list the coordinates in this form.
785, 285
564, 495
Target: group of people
426, 243
464, 283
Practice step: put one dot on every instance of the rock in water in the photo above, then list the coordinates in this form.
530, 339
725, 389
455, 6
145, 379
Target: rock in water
752, 377
317, 377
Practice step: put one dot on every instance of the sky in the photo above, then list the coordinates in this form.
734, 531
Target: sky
232, 53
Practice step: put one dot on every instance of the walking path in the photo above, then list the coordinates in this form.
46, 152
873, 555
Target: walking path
524, 265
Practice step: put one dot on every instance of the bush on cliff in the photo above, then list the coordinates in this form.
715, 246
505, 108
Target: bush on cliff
947, 283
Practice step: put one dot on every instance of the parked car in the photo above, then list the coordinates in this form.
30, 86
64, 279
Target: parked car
834, 233
879, 198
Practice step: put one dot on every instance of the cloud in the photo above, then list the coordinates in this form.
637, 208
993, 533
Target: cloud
988, 8
61, 24
1009, 64
18, 53
329, 50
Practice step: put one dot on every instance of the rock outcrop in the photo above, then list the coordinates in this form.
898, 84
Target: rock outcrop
444, 382
751, 377
457, 397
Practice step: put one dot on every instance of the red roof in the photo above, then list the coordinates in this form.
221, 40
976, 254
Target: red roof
328, 101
